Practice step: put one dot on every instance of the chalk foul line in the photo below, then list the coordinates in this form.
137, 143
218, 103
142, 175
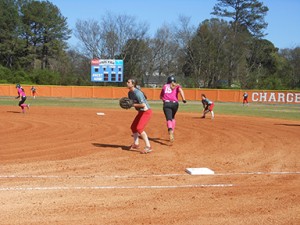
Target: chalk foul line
115, 187
11, 176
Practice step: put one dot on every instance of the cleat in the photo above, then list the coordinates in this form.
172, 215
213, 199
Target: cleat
134, 147
171, 135
146, 150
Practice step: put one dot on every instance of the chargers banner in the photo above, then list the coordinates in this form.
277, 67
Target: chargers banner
273, 97
106, 70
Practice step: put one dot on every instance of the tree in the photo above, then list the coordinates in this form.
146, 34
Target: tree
108, 38
5, 74
207, 59
45, 31
137, 60
246, 16
164, 50
89, 35
261, 63
183, 35
10, 44
291, 73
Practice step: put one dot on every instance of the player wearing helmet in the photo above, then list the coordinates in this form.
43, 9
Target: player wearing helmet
22, 96
169, 96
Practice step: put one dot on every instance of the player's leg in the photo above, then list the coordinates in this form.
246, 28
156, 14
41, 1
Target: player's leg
212, 115
168, 114
135, 133
206, 110
21, 104
168, 111
211, 108
174, 111
144, 119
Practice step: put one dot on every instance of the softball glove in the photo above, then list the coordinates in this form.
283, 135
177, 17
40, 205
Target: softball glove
125, 103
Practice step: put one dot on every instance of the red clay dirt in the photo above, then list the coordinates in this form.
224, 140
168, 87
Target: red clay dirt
71, 166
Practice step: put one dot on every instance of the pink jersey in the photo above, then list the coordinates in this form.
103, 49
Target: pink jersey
21, 92
167, 94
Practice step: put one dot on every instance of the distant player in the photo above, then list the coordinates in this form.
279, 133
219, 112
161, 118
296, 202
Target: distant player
245, 98
33, 91
22, 96
208, 106
169, 96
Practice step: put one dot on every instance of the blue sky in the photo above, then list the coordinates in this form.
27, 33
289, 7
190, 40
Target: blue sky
283, 17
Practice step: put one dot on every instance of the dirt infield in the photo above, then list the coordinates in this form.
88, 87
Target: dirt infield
71, 166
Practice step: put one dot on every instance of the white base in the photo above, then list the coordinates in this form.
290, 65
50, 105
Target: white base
199, 171
100, 114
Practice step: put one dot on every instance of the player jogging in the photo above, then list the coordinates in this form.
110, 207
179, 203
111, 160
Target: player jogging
169, 96
208, 106
22, 96
142, 118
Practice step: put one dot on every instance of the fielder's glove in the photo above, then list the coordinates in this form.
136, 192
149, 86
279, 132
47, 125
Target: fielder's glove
125, 103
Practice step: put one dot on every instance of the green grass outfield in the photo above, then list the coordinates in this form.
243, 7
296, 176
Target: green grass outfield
283, 111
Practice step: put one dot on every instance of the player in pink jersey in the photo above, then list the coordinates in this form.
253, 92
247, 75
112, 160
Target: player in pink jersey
22, 96
169, 96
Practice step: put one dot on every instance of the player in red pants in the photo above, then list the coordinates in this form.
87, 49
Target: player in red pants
33, 91
208, 106
142, 118
245, 99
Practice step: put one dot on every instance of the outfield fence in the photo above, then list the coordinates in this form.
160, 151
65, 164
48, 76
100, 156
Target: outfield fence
192, 94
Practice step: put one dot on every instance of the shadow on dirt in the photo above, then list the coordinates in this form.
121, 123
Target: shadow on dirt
123, 147
13, 112
127, 148
159, 141
286, 124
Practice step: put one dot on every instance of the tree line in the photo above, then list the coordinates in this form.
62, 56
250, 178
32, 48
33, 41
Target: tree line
226, 51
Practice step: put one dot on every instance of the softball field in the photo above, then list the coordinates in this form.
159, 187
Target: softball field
72, 166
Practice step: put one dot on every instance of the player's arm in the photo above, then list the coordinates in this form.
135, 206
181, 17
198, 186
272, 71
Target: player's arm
203, 104
140, 101
18, 95
182, 95
139, 105
162, 93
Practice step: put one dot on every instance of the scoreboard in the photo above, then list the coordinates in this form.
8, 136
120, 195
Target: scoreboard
106, 70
